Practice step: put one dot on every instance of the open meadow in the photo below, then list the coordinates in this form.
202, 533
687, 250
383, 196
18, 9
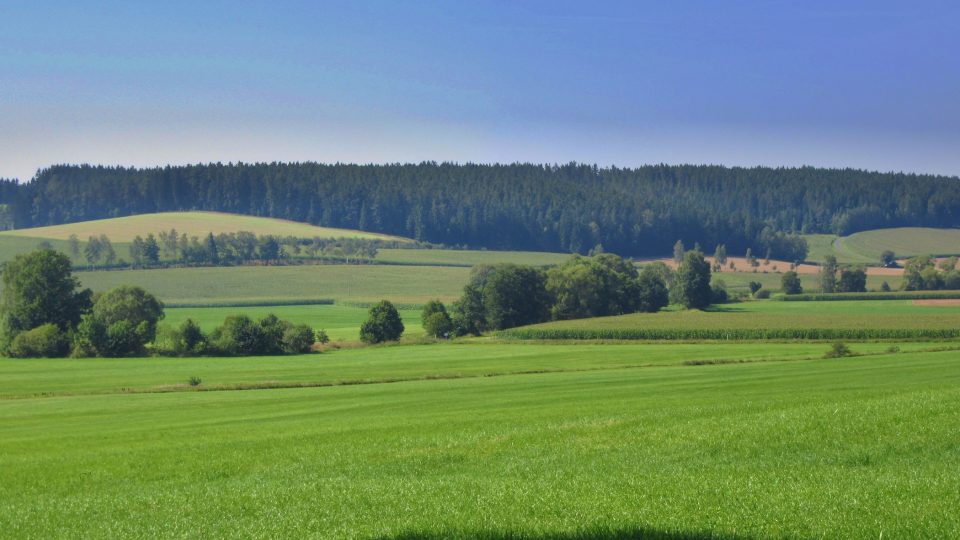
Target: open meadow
568, 441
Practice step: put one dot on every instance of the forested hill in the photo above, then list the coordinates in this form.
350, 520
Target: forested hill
573, 207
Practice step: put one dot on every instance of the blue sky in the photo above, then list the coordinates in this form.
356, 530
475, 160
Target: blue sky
872, 85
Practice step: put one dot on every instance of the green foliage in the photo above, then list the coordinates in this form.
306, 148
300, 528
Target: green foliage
595, 286
239, 335
39, 288
322, 337
383, 324
298, 339
194, 381
693, 280
515, 296
435, 320
121, 323
790, 283
718, 293
754, 287
838, 350
652, 291
888, 258
726, 334
852, 280
828, 275
46, 341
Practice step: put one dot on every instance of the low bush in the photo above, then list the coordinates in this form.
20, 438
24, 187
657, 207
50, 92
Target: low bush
297, 339
838, 350
45, 341
905, 295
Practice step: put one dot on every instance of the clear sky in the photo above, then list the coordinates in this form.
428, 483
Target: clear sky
871, 84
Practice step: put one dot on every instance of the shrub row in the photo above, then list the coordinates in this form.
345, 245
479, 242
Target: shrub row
904, 295
734, 334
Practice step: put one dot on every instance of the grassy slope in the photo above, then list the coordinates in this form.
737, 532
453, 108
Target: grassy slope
340, 322
866, 247
847, 448
407, 284
773, 314
124, 229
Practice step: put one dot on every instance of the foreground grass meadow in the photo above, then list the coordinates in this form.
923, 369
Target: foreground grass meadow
617, 441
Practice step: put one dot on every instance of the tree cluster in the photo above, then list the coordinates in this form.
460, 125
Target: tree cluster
509, 295
923, 274
568, 208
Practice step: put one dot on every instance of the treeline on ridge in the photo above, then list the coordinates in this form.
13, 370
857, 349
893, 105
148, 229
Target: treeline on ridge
569, 208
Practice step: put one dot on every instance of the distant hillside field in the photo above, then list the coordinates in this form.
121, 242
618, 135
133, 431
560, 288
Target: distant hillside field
124, 229
866, 247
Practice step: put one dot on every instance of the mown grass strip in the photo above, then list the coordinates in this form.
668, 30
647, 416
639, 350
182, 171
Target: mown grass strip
253, 303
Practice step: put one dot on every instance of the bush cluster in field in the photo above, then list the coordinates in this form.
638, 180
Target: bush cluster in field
43, 314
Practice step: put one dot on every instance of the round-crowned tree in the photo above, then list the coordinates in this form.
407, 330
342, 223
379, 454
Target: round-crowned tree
122, 322
382, 324
693, 278
38, 289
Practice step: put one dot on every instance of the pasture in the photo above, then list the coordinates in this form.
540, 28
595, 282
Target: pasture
124, 229
358, 283
618, 441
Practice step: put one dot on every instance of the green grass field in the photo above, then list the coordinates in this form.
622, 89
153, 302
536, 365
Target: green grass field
340, 322
883, 315
469, 258
866, 247
639, 445
360, 283
124, 229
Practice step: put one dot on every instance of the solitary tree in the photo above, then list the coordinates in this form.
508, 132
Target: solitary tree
790, 283
93, 250
888, 258
678, 252
853, 280
74, 246
39, 288
151, 250
382, 324
693, 279
828, 274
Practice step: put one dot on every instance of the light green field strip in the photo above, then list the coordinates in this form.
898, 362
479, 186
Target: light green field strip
20, 378
403, 284
852, 448
470, 258
340, 322
124, 229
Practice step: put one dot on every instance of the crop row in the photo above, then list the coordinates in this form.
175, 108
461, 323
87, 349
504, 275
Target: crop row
732, 334
903, 295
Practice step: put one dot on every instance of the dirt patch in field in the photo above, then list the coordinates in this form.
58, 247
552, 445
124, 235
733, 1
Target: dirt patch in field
777, 267
942, 302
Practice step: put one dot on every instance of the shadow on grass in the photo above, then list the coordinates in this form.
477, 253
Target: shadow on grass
636, 533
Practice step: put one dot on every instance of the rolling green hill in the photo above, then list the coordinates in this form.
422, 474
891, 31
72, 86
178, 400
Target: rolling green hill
124, 229
866, 247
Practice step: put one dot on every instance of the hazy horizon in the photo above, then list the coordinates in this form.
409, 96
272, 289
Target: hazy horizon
864, 85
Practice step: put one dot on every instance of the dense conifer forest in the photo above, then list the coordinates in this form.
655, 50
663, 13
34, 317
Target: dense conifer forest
573, 207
